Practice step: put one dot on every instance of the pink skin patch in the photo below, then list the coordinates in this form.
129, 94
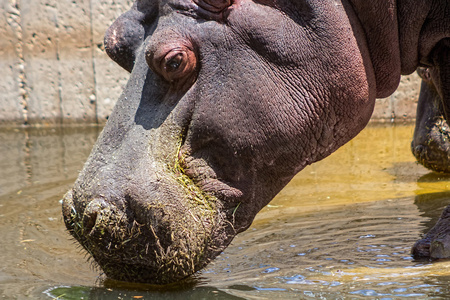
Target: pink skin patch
213, 5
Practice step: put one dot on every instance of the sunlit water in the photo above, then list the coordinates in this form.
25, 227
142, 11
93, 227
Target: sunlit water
343, 228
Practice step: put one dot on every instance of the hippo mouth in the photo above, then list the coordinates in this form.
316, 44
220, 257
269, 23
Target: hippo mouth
432, 153
170, 234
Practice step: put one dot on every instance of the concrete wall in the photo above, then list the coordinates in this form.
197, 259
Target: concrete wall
55, 70
400, 106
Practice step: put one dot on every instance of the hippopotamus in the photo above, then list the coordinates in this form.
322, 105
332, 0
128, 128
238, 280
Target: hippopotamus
431, 143
227, 100
431, 147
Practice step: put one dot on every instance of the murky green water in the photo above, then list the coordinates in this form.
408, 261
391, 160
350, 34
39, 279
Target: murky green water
342, 228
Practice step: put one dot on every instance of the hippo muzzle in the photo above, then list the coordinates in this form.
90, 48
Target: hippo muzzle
138, 213
157, 241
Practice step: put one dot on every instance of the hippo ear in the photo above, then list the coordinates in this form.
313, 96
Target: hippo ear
127, 33
440, 74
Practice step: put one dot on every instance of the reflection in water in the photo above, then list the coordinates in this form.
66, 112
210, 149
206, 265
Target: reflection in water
342, 228
432, 206
36, 168
362, 247
80, 292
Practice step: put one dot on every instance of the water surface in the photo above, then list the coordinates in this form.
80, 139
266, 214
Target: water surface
342, 228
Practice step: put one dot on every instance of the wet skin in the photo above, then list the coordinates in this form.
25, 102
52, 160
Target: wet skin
431, 144
226, 102
431, 147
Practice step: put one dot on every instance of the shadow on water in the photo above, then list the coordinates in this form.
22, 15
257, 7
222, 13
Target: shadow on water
341, 229
432, 205
434, 177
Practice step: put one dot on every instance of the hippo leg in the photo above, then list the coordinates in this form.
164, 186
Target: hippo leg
436, 243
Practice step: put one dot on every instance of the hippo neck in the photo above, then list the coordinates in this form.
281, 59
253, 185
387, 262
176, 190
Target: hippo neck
400, 36
379, 22
422, 25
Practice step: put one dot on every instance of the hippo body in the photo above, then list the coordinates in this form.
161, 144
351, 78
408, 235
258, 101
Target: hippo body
227, 100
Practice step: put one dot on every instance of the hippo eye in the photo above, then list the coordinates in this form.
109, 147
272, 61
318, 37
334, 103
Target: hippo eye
174, 62
177, 64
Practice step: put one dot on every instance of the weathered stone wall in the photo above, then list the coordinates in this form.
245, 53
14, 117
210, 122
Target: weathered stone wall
400, 106
55, 70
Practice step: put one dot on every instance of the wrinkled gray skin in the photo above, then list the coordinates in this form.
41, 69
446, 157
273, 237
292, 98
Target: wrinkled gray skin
226, 102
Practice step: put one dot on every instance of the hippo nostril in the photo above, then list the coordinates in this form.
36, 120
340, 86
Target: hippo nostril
91, 213
421, 152
89, 220
419, 149
421, 249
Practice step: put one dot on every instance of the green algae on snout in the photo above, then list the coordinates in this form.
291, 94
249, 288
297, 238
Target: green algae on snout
171, 239
195, 195
203, 225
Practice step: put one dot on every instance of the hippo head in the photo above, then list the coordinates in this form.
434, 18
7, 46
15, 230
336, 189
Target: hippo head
226, 102
431, 141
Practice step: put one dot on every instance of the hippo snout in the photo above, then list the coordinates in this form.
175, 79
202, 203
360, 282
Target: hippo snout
432, 156
431, 147
159, 240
